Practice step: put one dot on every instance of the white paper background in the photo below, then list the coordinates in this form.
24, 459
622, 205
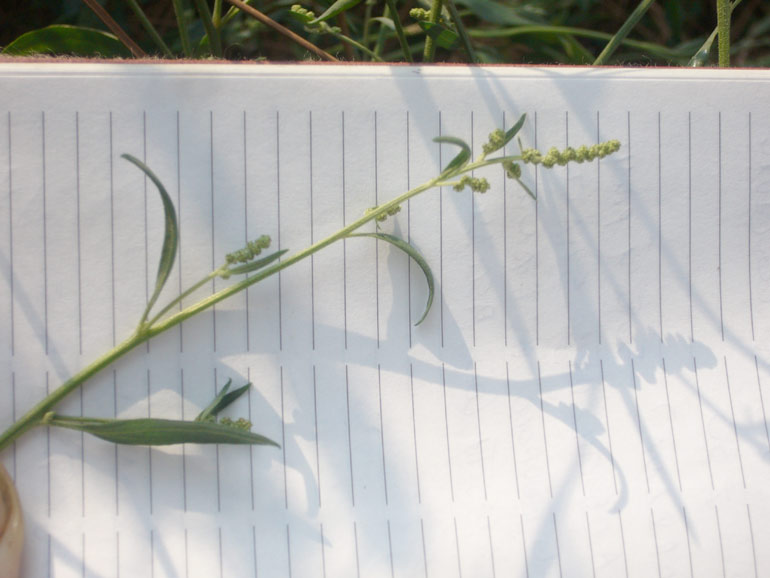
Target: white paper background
586, 398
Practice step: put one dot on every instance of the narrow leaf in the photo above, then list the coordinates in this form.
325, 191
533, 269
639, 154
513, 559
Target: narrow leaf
414, 254
444, 37
462, 157
222, 400
258, 264
334, 9
170, 237
160, 432
513, 131
62, 39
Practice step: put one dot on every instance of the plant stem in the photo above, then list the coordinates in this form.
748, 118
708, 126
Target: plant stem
156, 326
181, 24
461, 31
723, 27
150, 29
620, 35
399, 30
34, 416
430, 45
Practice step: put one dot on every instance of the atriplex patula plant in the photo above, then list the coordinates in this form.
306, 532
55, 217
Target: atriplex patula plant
252, 263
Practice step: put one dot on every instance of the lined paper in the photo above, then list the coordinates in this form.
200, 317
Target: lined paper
588, 396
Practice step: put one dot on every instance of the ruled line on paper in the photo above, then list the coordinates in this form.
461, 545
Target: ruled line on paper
478, 423
317, 450
77, 216
10, 243
537, 243
414, 435
719, 225
510, 424
753, 546
382, 434
545, 437
762, 402
446, 426
407, 149
703, 422
45, 235
639, 424
721, 544
278, 217
473, 252
344, 240
598, 235
441, 237
568, 239
660, 231
735, 426
312, 232
749, 232
671, 424
558, 547
376, 241
689, 221
590, 546
655, 541
630, 304
350, 437
577, 435
687, 535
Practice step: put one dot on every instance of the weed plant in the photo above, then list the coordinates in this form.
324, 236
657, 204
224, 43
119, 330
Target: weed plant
636, 32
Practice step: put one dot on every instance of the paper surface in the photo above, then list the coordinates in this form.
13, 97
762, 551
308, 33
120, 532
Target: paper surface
587, 397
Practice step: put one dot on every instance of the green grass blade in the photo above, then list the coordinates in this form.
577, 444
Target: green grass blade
215, 41
149, 28
170, 237
624, 31
416, 256
159, 432
399, 30
461, 31
181, 23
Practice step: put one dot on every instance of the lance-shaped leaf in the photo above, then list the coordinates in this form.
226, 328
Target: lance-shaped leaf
496, 145
258, 264
462, 157
334, 9
222, 400
170, 237
444, 37
159, 432
414, 254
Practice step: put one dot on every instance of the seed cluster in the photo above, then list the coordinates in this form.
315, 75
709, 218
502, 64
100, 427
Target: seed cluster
578, 155
251, 250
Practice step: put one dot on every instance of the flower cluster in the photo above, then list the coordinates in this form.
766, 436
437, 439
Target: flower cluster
578, 155
496, 142
420, 14
308, 16
389, 213
476, 185
240, 423
251, 250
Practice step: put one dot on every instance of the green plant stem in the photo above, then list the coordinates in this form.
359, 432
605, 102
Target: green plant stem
181, 25
430, 46
150, 28
156, 326
211, 31
723, 27
620, 35
461, 31
399, 30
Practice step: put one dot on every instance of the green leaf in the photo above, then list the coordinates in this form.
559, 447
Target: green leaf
414, 254
159, 432
63, 39
334, 9
222, 400
170, 237
497, 13
514, 130
258, 264
443, 37
462, 157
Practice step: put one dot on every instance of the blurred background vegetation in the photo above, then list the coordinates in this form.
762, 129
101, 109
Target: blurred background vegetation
666, 32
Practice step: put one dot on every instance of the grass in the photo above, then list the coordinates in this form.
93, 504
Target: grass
627, 32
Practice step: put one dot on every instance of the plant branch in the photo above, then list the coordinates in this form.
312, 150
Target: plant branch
264, 19
115, 28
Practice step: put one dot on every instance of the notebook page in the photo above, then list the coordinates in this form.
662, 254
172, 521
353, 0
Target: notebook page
587, 396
